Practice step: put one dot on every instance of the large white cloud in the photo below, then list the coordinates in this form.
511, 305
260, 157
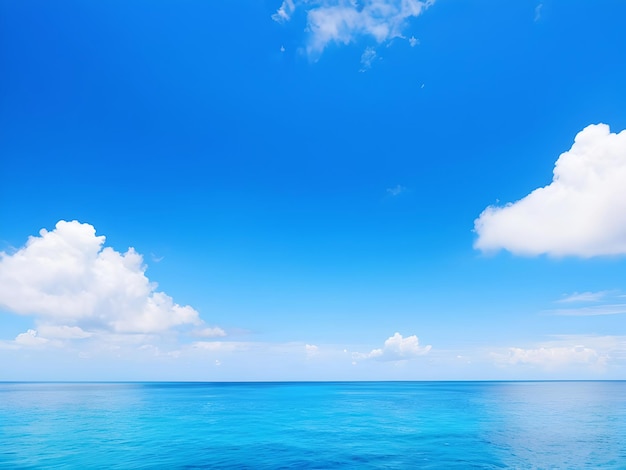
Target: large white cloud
72, 285
581, 213
396, 348
344, 21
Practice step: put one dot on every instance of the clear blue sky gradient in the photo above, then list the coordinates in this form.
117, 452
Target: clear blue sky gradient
264, 179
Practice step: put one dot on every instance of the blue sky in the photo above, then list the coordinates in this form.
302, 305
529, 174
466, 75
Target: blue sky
312, 190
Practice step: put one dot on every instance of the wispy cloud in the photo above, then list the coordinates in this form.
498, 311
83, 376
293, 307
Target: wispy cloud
367, 58
610, 309
396, 190
345, 21
538, 11
284, 12
584, 297
591, 304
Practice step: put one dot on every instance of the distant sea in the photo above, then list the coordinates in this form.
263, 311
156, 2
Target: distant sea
361, 425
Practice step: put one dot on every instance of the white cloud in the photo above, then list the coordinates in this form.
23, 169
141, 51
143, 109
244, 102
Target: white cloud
591, 304
30, 338
413, 41
214, 332
74, 286
311, 350
538, 12
344, 21
396, 190
220, 346
396, 348
584, 297
63, 332
581, 213
606, 309
368, 56
552, 357
573, 353
284, 12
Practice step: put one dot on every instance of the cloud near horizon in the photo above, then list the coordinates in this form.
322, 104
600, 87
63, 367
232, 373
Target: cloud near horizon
566, 353
396, 348
582, 212
551, 358
344, 21
73, 287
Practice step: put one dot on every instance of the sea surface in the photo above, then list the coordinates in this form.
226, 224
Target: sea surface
394, 425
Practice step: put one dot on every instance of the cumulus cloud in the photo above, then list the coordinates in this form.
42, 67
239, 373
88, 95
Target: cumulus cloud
73, 285
581, 213
396, 348
30, 338
344, 21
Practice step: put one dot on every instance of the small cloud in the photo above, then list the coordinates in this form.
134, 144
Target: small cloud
311, 350
30, 338
156, 259
220, 346
582, 212
596, 310
465, 359
282, 48
413, 41
396, 348
215, 332
538, 11
586, 304
396, 190
584, 297
368, 56
284, 12
217, 363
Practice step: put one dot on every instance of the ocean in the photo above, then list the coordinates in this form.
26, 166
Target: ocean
323, 425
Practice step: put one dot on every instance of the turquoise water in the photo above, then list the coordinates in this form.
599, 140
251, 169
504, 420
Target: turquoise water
313, 425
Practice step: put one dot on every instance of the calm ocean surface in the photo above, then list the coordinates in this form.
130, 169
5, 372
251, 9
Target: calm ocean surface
313, 425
